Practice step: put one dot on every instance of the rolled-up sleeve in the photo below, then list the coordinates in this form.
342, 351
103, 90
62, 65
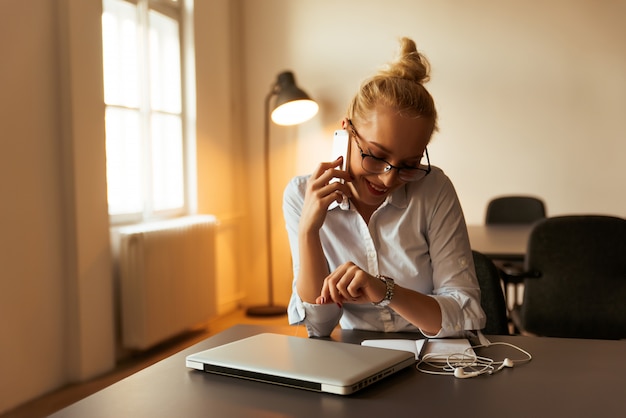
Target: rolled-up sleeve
319, 320
458, 314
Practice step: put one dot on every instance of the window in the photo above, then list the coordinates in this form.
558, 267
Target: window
145, 140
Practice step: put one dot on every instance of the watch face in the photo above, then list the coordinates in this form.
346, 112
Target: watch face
384, 303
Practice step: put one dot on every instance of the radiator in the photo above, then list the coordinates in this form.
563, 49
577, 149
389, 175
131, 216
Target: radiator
167, 279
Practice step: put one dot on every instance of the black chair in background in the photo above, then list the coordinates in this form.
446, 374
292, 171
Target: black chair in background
491, 296
576, 278
513, 210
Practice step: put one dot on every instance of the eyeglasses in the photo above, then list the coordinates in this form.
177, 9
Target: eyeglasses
375, 165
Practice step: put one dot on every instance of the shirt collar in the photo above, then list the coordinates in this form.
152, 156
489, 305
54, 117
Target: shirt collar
342, 206
399, 198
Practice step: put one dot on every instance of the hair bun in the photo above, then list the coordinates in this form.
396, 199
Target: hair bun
399, 85
410, 65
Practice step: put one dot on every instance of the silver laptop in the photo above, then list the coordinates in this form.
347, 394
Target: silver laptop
305, 363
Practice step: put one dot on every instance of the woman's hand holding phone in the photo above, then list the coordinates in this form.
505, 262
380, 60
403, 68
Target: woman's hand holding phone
322, 191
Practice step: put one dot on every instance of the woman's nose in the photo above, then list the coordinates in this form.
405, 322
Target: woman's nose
389, 178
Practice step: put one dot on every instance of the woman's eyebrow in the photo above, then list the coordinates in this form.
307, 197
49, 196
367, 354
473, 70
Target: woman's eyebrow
386, 151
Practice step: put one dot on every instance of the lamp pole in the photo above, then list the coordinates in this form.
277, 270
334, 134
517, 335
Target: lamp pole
289, 96
270, 309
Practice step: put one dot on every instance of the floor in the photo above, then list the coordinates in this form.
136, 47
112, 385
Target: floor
50, 403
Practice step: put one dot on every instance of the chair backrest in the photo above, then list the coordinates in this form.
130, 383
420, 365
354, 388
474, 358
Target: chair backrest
491, 295
515, 210
580, 290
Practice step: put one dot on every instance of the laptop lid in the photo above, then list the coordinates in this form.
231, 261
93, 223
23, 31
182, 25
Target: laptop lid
305, 363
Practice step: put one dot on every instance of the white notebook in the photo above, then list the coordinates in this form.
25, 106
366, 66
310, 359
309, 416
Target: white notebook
435, 349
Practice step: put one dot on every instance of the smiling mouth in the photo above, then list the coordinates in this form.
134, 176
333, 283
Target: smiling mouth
376, 190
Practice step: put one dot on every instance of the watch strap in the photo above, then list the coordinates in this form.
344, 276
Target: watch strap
390, 285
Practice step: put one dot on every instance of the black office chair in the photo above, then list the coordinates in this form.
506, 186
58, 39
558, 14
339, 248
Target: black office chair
513, 210
491, 296
576, 278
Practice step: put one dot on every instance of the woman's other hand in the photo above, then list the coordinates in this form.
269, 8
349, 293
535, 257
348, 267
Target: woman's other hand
350, 284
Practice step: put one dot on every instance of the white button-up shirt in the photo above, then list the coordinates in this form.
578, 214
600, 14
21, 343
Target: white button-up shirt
417, 236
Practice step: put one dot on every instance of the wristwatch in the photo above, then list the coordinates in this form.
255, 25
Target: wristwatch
388, 293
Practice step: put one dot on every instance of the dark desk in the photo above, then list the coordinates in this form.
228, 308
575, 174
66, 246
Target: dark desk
504, 242
566, 377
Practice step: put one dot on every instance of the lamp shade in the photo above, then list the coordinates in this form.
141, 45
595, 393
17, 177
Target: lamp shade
292, 105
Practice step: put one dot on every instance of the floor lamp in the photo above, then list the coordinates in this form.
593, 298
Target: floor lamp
291, 107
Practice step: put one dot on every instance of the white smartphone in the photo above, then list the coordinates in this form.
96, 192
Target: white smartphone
341, 140
341, 146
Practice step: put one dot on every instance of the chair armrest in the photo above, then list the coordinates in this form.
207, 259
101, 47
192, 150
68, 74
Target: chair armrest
513, 272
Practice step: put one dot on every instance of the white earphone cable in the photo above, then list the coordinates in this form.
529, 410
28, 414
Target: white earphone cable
467, 363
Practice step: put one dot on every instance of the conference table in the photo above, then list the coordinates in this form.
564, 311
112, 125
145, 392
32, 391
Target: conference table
502, 242
566, 377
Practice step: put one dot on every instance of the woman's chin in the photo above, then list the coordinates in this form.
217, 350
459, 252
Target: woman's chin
373, 200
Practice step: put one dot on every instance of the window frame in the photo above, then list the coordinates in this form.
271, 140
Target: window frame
182, 12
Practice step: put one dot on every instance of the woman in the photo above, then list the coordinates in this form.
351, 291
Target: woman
398, 258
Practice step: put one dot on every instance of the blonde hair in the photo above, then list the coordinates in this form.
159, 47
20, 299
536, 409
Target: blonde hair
400, 85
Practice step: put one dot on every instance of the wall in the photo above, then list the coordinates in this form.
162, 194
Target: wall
55, 291
220, 153
531, 94
31, 287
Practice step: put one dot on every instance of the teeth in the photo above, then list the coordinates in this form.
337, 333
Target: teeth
378, 189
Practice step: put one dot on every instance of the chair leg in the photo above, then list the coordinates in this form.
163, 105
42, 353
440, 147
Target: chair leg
518, 296
511, 296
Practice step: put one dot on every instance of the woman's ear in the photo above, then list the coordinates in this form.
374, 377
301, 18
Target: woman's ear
344, 123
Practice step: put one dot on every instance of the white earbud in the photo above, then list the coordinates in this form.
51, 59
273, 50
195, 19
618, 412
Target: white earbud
461, 374
507, 362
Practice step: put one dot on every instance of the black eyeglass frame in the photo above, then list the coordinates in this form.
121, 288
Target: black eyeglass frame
389, 165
